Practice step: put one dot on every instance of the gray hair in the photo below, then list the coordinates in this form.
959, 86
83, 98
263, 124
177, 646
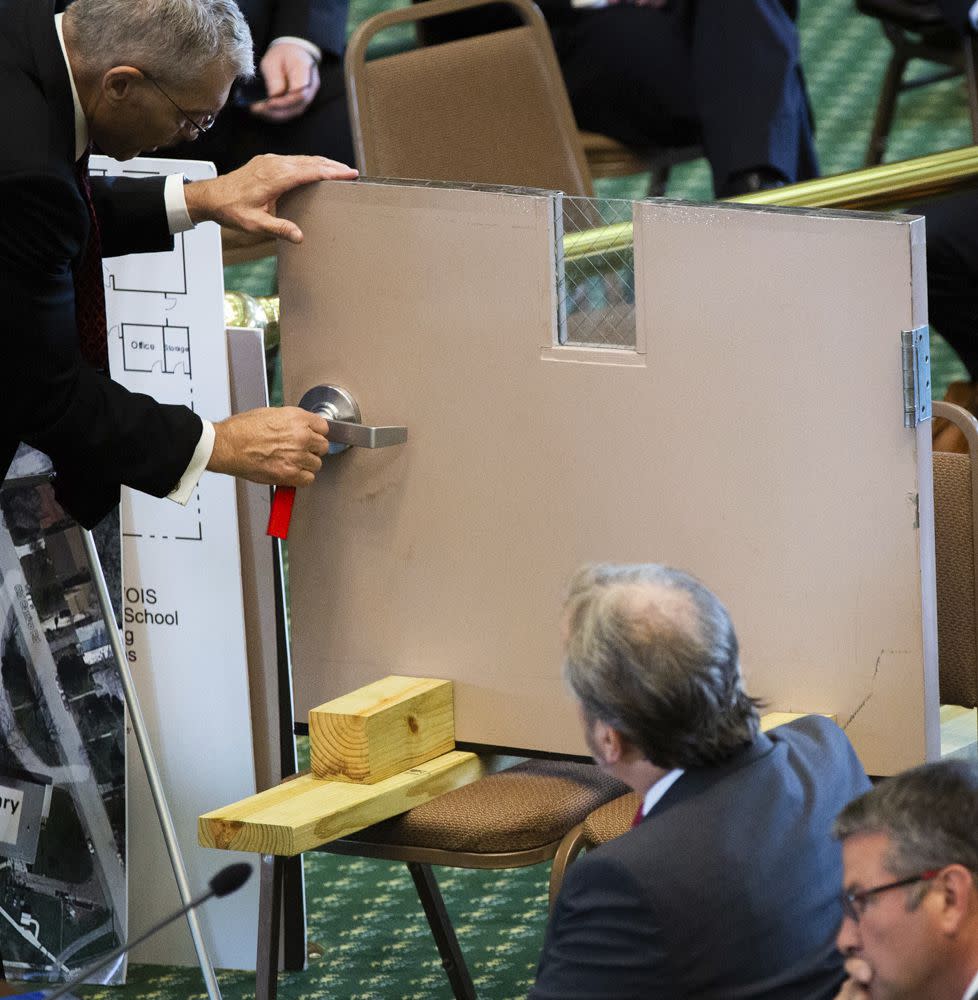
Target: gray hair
929, 814
173, 40
653, 653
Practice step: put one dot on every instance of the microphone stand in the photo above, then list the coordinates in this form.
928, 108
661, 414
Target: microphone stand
153, 776
80, 977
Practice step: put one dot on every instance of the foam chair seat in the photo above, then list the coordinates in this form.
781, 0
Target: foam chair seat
608, 157
610, 820
523, 808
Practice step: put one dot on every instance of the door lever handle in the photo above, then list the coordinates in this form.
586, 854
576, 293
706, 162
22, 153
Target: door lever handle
361, 436
340, 409
342, 413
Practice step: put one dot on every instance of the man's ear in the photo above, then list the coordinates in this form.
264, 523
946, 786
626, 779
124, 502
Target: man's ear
118, 82
609, 742
959, 897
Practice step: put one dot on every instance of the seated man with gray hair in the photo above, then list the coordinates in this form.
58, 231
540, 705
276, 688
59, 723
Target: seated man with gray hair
724, 887
910, 856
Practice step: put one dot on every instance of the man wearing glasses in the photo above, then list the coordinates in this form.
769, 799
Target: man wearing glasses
910, 857
719, 889
123, 77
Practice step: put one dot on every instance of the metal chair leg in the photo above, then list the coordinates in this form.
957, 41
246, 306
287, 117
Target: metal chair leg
573, 843
269, 923
442, 930
659, 180
886, 108
295, 948
971, 75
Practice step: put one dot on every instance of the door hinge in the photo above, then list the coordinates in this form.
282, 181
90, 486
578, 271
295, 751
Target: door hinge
916, 375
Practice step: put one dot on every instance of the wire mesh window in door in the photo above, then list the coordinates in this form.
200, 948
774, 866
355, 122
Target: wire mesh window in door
596, 272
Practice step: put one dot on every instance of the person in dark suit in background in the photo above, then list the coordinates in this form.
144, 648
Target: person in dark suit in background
297, 101
665, 73
125, 76
910, 856
952, 270
727, 886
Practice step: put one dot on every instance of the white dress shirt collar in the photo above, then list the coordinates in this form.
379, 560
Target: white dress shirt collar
659, 789
972, 990
81, 126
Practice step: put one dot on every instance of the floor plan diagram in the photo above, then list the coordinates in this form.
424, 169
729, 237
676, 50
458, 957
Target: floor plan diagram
164, 313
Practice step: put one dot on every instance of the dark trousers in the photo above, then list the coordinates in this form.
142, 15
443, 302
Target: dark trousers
723, 73
952, 272
726, 74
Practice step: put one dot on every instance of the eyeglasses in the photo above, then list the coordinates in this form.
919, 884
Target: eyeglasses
199, 126
854, 903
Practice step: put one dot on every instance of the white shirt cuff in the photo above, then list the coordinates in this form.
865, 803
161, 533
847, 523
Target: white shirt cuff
177, 216
973, 16
183, 491
314, 50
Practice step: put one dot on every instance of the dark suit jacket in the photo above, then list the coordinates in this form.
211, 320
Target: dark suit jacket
322, 22
728, 889
97, 434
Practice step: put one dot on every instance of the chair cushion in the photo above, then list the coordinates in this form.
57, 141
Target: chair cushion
526, 806
611, 820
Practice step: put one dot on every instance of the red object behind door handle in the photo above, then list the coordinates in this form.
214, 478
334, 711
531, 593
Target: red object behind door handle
281, 514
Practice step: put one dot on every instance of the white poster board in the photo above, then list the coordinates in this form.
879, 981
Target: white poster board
183, 617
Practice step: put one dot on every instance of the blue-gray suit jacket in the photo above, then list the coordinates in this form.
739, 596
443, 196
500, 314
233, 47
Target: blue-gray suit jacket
728, 889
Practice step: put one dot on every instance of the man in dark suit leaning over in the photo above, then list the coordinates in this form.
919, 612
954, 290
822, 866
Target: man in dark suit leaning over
727, 886
124, 77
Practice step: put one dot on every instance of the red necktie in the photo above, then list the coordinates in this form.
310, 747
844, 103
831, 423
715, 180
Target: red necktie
90, 283
639, 816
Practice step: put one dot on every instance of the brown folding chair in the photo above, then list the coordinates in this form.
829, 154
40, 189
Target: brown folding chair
916, 29
510, 819
490, 109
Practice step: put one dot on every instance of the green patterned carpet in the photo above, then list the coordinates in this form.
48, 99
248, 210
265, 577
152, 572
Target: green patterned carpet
369, 940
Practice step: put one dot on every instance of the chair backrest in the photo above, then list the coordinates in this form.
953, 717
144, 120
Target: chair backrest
490, 109
955, 540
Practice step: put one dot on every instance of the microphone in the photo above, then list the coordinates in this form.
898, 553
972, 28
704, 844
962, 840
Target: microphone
229, 879
226, 881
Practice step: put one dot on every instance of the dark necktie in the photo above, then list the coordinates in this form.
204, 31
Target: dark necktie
89, 282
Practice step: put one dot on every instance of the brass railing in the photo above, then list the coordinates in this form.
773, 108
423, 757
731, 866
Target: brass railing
888, 186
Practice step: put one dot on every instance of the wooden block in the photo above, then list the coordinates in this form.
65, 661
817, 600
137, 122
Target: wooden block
382, 729
959, 731
307, 812
772, 719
